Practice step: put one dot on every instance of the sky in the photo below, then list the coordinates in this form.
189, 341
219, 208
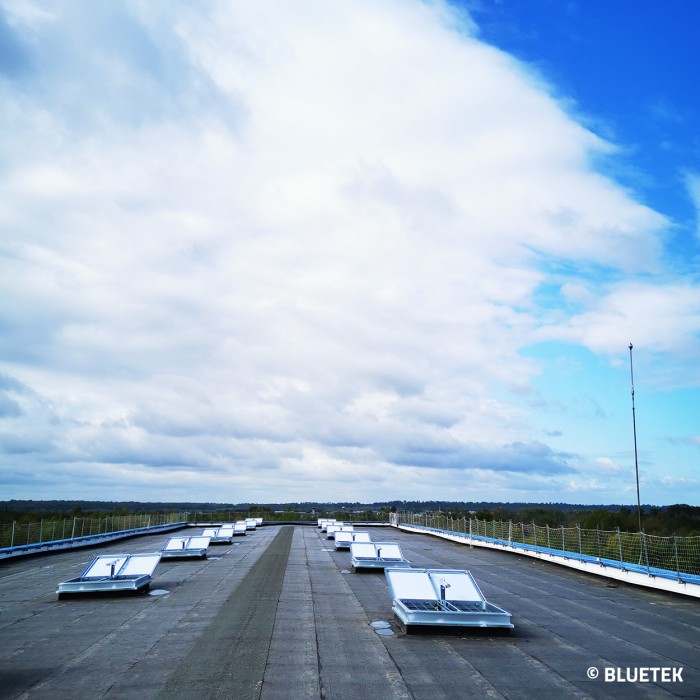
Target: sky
359, 250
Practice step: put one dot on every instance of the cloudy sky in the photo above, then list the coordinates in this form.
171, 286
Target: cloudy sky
353, 250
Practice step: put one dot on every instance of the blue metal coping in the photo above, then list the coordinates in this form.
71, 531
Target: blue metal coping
575, 556
86, 540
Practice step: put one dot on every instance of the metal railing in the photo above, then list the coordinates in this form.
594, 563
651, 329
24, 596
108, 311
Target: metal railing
671, 557
24, 536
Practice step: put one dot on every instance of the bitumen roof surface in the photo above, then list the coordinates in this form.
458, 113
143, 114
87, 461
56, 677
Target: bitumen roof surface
280, 615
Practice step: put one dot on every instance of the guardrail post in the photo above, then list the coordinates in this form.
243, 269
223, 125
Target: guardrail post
646, 552
29, 529
619, 544
534, 531
563, 539
580, 550
548, 545
12, 537
675, 551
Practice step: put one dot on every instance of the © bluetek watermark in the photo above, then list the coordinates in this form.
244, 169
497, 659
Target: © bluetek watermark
637, 674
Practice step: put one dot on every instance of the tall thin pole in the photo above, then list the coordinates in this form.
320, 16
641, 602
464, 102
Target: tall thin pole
634, 428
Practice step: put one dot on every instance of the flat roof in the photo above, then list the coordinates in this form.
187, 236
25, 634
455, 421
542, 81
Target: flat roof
280, 615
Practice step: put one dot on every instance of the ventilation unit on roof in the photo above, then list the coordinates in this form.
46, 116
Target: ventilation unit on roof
343, 540
221, 535
325, 522
331, 530
113, 572
177, 547
358, 536
441, 597
377, 555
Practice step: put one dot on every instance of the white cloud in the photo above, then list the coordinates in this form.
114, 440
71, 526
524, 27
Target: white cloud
25, 12
607, 465
659, 317
267, 243
682, 481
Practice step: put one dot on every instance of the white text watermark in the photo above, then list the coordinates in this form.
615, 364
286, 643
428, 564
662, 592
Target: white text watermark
637, 674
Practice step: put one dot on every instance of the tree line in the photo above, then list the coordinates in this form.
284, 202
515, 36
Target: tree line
677, 519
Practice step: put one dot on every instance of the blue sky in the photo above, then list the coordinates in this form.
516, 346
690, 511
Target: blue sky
353, 251
627, 67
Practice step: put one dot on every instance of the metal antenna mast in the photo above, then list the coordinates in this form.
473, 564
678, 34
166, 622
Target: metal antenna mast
634, 428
